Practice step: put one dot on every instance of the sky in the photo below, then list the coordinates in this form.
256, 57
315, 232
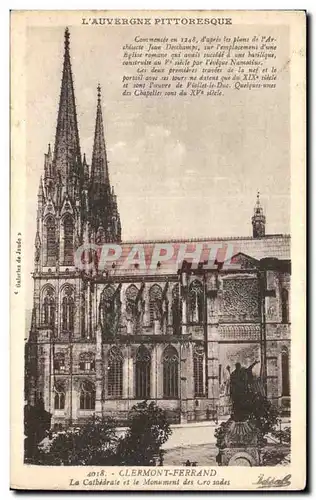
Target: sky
181, 168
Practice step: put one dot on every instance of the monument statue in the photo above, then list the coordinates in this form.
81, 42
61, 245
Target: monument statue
238, 439
242, 391
243, 439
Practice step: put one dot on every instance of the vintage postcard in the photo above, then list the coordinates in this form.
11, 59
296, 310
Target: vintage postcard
158, 258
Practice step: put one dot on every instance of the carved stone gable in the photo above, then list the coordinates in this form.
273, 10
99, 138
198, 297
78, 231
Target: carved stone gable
67, 207
243, 261
49, 207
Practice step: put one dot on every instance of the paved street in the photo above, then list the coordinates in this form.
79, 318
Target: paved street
203, 454
191, 434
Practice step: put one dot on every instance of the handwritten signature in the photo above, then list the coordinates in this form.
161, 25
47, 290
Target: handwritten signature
273, 482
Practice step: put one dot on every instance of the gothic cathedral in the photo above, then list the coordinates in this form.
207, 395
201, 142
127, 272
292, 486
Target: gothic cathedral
102, 341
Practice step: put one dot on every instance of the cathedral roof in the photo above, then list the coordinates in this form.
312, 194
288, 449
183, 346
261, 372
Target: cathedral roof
270, 246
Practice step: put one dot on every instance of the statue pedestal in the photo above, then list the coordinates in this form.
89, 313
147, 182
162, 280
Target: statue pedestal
239, 444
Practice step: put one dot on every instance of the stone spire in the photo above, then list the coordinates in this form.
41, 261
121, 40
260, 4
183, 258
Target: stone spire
258, 220
85, 167
67, 158
48, 171
103, 208
40, 192
116, 220
99, 166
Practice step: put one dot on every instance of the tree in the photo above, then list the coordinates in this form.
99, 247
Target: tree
36, 425
94, 443
148, 431
265, 415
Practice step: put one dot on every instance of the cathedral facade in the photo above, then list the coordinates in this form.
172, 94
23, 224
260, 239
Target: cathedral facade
102, 340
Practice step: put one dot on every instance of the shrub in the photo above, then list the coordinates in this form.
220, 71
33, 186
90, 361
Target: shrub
148, 431
94, 443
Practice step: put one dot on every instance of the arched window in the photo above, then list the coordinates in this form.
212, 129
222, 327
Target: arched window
155, 303
50, 242
59, 396
285, 305
131, 306
198, 371
87, 396
285, 372
68, 310
176, 317
115, 372
49, 306
68, 240
143, 361
87, 362
170, 373
195, 302
59, 362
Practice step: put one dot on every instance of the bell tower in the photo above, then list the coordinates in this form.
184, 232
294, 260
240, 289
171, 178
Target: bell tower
258, 220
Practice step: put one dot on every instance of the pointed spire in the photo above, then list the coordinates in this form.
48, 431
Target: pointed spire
67, 37
102, 201
37, 240
99, 165
67, 157
258, 219
48, 171
40, 192
258, 208
40, 202
84, 162
85, 168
